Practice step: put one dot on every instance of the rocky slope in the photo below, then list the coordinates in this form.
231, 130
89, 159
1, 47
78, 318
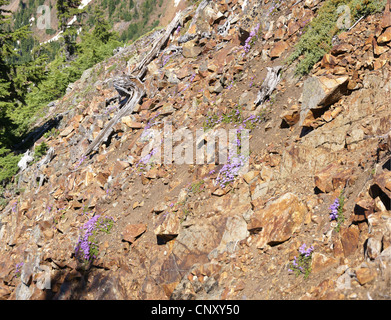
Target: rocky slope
175, 233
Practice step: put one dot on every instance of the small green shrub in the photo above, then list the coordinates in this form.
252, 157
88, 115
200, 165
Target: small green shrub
197, 187
40, 150
317, 37
302, 263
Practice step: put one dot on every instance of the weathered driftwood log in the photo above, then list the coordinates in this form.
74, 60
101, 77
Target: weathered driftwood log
269, 84
136, 92
132, 86
140, 68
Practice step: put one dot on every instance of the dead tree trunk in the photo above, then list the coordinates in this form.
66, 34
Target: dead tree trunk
132, 86
140, 68
269, 84
136, 94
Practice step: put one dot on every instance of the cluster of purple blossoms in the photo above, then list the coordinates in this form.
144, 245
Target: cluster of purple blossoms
301, 264
230, 170
212, 120
304, 251
85, 243
250, 122
105, 224
187, 86
14, 206
148, 134
295, 265
166, 59
252, 81
110, 108
334, 210
18, 268
145, 160
143, 163
80, 162
250, 40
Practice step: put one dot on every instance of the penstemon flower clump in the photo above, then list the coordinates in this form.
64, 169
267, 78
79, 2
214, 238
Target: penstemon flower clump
302, 263
254, 34
334, 210
337, 211
231, 170
146, 162
18, 269
87, 246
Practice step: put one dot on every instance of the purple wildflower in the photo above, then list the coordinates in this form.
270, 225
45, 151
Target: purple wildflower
230, 170
304, 251
80, 161
250, 40
334, 209
84, 243
18, 268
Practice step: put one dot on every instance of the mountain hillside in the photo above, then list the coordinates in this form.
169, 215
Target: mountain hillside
133, 14
99, 216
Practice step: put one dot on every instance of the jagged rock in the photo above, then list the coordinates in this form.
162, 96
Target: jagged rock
382, 188
131, 123
133, 231
340, 49
168, 226
384, 37
365, 275
278, 49
280, 219
373, 247
291, 117
349, 240
191, 50
22, 292
320, 262
320, 92
172, 260
235, 231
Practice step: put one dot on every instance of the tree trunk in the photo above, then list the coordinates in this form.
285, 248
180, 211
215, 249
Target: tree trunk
136, 90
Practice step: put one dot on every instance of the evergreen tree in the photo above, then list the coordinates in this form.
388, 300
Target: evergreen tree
8, 92
66, 11
10, 83
15, 78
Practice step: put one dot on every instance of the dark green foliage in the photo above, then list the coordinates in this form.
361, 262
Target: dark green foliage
32, 75
27, 83
40, 150
15, 77
93, 48
8, 165
66, 10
